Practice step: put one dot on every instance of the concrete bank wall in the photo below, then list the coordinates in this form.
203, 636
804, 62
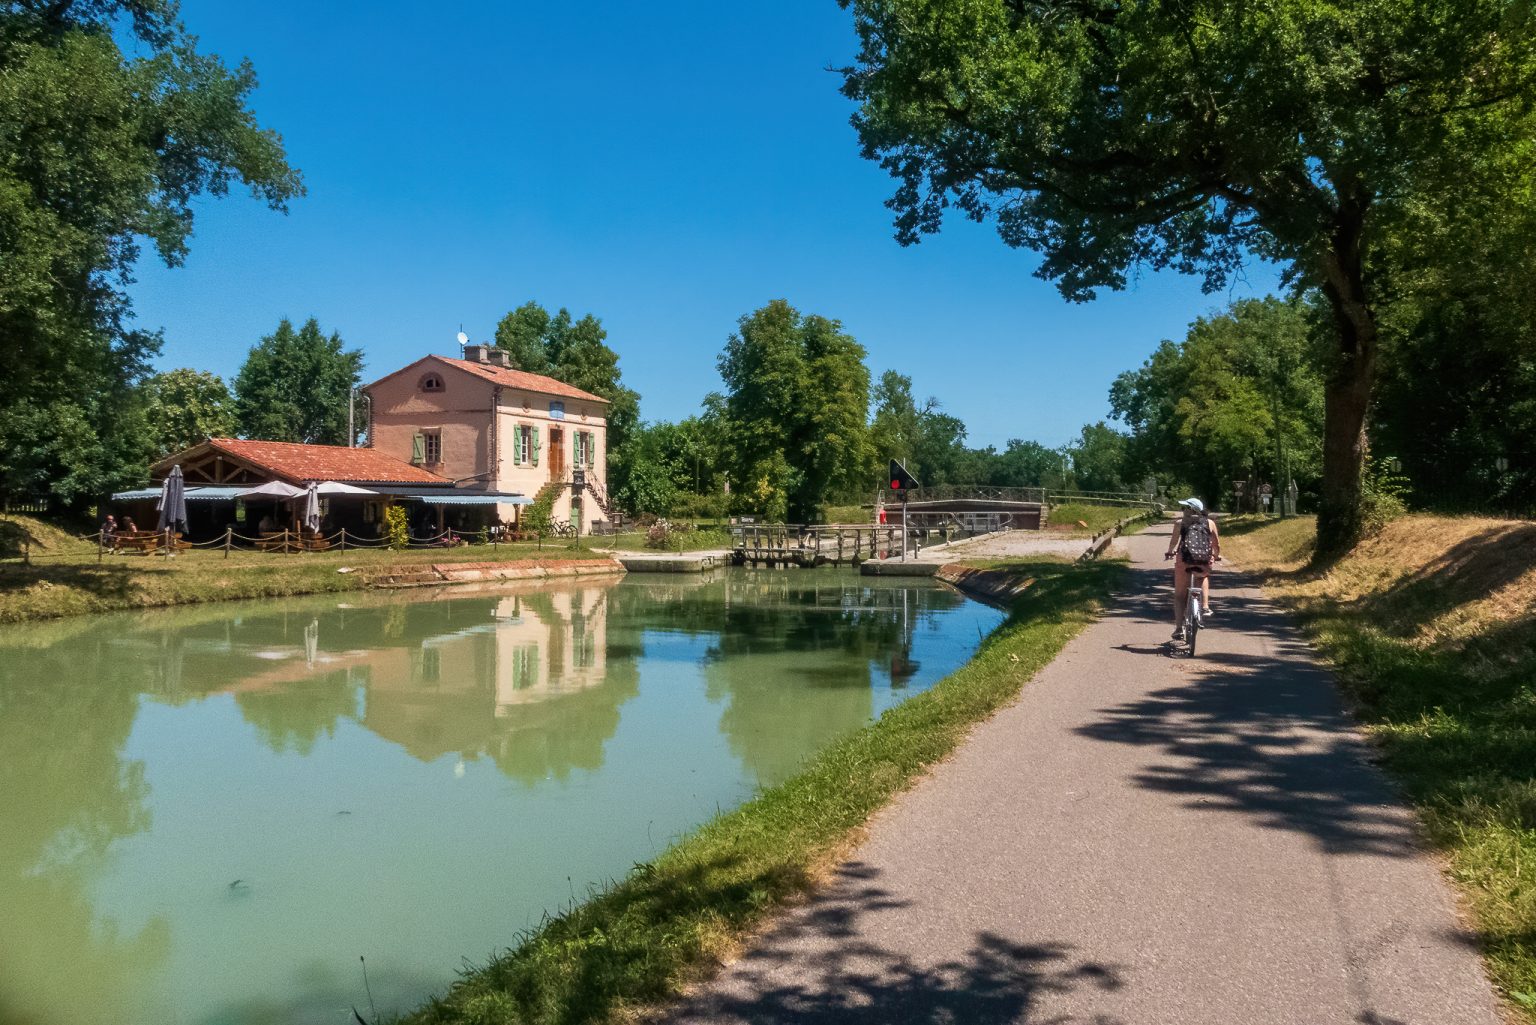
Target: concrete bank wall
993, 586
478, 572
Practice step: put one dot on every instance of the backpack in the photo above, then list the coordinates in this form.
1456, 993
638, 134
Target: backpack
1195, 547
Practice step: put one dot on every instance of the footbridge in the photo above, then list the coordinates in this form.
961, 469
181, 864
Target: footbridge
969, 509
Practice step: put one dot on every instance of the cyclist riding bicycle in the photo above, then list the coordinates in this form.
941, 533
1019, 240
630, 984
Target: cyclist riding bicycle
1194, 546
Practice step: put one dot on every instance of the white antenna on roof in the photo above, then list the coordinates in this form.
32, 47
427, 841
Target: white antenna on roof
463, 339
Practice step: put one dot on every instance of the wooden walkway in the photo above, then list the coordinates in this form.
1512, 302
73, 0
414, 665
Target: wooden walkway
820, 545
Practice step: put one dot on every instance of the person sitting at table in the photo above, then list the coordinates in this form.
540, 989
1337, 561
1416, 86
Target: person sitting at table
267, 525
108, 529
128, 527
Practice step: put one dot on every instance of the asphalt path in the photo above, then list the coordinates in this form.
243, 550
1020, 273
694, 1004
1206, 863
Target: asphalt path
1141, 838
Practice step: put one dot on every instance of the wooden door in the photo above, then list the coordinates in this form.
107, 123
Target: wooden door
556, 454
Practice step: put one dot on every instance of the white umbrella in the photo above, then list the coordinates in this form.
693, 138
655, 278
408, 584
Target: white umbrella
330, 487
312, 508
275, 489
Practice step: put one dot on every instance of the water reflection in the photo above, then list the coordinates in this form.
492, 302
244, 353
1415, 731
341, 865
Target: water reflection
478, 757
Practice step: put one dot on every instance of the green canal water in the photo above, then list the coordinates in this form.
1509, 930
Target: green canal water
207, 815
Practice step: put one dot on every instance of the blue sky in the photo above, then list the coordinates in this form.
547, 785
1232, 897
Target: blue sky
666, 167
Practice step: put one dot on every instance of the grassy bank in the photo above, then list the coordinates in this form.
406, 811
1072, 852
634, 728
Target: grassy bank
66, 578
1088, 519
1429, 626
679, 541
672, 920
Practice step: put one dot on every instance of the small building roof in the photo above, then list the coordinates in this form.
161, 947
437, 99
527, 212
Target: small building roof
504, 376
298, 463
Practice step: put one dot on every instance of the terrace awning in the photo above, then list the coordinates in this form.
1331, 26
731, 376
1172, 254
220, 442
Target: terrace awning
216, 494
481, 498
452, 496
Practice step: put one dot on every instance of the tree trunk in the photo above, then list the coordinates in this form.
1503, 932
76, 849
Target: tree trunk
1347, 394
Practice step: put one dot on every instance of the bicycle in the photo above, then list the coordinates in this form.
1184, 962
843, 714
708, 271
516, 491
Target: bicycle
1194, 597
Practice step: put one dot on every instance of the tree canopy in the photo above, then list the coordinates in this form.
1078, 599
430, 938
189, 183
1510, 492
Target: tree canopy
1187, 135
295, 386
103, 150
796, 411
1238, 397
186, 407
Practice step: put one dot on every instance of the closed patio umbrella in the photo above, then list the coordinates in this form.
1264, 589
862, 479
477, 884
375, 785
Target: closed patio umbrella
173, 501
312, 508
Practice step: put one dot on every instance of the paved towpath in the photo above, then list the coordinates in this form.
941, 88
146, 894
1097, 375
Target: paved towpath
1139, 839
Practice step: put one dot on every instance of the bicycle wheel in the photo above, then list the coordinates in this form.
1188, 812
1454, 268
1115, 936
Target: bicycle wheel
1192, 630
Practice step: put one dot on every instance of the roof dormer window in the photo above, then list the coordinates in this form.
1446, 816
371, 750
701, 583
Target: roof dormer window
432, 382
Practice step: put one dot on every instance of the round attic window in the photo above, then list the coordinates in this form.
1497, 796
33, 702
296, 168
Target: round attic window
432, 382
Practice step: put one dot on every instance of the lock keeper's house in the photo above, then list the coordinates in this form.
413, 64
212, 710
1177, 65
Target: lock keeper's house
481, 424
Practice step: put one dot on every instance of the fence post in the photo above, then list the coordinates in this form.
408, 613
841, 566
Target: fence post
101, 543
228, 538
167, 542
343, 538
285, 540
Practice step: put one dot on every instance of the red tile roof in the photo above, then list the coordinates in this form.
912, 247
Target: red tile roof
522, 379
326, 462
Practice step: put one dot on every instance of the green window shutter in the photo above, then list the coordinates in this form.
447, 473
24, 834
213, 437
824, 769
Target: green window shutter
418, 448
591, 450
537, 444
517, 445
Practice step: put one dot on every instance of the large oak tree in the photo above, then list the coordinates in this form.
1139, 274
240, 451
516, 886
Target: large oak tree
1112, 134
111, 125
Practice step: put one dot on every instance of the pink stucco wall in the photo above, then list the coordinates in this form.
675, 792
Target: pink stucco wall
462, 412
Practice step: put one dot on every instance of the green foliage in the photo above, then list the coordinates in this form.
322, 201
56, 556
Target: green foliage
397, 528
648, 485
295, 386
1099, 458
1326, 136
1383, 497
539, 517
102, 150
1240, 397
187, 407
795, 411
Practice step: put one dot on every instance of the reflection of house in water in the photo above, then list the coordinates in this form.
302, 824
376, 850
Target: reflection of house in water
527, 686
522, 678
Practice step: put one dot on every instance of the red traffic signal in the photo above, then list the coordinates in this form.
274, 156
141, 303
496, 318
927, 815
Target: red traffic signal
901, 480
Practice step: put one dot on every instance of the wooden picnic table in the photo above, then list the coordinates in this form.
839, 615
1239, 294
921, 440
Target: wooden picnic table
147, 542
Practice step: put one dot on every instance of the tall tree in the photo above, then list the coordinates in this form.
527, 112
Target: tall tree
796, 407
186, 407
1240, 395
1185, 135
111, 125
295, 386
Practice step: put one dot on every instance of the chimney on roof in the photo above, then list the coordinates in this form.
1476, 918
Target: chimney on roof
488, 354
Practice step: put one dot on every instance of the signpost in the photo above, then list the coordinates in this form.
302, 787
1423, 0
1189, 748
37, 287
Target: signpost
902, 483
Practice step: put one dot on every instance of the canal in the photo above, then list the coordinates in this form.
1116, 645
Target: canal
208, 814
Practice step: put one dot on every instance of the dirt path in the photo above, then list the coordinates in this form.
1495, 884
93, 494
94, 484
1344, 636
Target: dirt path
1139, 839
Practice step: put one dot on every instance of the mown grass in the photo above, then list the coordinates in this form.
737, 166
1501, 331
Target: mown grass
670, 922
1430, 628
678, 541
66, 578
1088, 519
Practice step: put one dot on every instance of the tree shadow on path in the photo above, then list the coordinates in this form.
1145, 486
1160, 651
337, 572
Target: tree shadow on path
821, 966
1262, 734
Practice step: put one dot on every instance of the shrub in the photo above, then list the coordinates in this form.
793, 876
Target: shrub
1383, 497
396, 529
658, 535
